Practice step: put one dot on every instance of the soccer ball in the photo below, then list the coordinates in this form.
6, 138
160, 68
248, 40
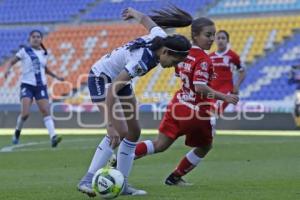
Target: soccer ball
108, 183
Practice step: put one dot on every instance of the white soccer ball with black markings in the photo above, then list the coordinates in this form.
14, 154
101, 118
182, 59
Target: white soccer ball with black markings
108, 183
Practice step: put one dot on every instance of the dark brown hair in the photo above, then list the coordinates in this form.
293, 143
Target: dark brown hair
226, 33
173, 16
41, 34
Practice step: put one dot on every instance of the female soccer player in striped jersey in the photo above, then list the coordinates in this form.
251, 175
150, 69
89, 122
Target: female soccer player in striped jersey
225, 60
188, 112
109, 81
33, 84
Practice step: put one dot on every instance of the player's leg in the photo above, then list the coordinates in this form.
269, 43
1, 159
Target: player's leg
26, 103
187, 164
44, 107
148, 147
127, 146
168, 133
199, 134
104, 150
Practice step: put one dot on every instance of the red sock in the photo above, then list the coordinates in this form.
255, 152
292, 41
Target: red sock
140, 150
184, 167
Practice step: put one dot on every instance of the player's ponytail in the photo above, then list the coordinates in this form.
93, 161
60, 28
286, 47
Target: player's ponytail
171, 17
44, 48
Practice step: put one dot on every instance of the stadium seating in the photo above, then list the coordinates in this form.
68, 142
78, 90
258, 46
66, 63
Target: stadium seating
251, 36
111, 9
227, 7
267, 79
11, 39
73, 49
39, 10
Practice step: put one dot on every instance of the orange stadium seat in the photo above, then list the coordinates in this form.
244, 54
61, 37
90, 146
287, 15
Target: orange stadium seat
74, 54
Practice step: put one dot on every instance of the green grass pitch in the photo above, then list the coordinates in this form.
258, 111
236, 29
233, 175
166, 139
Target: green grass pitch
238, 168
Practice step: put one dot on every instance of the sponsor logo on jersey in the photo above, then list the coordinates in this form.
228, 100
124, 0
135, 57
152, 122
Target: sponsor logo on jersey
185, 66
138, 69
204, 66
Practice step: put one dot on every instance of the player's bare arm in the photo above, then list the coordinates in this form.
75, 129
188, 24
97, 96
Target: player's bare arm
143, 19
203, 89
10, 64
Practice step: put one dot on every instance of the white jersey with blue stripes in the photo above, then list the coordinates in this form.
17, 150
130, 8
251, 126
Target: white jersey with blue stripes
137, 62
28, 71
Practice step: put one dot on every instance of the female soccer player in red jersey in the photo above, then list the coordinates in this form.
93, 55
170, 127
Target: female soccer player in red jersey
188, 112
225, 60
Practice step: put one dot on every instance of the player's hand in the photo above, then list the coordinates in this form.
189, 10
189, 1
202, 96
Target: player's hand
130, 13
232, 98
113, 135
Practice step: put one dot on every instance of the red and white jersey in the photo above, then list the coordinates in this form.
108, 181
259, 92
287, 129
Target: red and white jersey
197, 68
224, 63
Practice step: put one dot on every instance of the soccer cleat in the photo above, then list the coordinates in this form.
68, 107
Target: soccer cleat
173, 180
16, 137
85, 185
55, 140
129, 190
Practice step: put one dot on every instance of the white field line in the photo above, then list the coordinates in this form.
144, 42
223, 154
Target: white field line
79, 131
11, 148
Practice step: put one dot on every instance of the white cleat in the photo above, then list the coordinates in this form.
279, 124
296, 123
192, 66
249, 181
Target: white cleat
85, 185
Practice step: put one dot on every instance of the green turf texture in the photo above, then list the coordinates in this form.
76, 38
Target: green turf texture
238, 168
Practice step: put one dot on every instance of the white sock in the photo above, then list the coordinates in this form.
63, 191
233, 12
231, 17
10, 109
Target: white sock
150, 146
101, 156
20, 123
125, 157
49, 124
193, 158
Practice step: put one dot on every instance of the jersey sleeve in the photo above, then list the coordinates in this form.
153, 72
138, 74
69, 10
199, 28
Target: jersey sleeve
21, 53
136, 68
202, 72
155, 32
237, 62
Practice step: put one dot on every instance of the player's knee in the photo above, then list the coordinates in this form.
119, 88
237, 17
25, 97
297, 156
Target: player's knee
159, 146
45, 112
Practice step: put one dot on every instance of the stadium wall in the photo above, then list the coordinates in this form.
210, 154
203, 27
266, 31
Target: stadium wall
150, 120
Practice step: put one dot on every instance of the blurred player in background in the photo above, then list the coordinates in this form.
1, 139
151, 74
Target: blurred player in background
110, 82
225, 61
33, 84
188, 112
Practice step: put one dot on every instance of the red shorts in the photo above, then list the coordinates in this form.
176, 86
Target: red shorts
181, 120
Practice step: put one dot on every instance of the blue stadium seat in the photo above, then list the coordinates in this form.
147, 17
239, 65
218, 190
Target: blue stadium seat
11, 39
269, 66
227, 7
16, 11
109, 9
